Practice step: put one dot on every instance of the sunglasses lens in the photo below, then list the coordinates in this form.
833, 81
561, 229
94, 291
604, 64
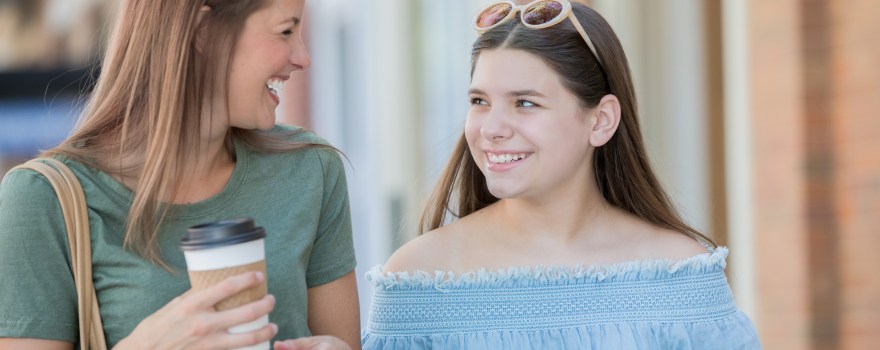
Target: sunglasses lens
542, 12
493, 14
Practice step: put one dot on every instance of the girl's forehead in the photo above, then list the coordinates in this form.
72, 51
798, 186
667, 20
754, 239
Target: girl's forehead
515, 70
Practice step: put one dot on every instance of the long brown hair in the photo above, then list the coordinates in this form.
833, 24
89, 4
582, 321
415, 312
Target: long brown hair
621, 166
147, 103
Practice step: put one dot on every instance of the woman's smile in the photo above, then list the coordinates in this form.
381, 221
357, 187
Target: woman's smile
275, 85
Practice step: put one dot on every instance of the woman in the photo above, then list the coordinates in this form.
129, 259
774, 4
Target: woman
180, 131
564, 238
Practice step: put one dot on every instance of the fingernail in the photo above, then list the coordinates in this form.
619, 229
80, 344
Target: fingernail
259, 276
274, 328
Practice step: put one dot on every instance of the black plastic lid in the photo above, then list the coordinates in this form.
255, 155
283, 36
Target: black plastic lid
221, 233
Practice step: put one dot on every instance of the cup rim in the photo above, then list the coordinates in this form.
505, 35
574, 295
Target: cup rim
221, 233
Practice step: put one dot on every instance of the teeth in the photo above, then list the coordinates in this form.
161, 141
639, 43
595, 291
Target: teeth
505, 158
275, 86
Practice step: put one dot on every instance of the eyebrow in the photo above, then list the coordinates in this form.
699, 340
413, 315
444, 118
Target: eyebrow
527, 92
293, 19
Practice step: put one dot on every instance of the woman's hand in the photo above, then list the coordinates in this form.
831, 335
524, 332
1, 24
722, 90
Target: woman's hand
322, 342
191, 322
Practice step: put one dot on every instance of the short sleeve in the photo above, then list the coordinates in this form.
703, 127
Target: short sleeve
37, 295
332, 254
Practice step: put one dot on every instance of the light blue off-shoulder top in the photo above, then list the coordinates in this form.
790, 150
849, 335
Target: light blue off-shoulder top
659, 304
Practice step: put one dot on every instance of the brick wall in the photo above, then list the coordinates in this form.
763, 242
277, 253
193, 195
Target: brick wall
778, 133
855, 107
815, 92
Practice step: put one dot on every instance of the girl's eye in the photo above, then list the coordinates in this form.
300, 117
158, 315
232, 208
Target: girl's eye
478, 101
525, 103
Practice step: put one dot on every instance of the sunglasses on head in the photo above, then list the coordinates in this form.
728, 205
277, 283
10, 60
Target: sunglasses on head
536, 15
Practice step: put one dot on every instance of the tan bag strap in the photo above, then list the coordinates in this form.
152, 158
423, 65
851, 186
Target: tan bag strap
76, 219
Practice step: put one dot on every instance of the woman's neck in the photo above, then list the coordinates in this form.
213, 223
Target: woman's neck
200, 179
211, 170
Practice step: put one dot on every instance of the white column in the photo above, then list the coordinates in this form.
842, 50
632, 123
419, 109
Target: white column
366, 101
738, 155
344, 112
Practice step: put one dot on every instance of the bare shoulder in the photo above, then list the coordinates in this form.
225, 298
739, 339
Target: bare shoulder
434, 250
653, 242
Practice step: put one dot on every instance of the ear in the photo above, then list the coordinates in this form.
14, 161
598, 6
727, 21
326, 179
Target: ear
605, 120
199, 18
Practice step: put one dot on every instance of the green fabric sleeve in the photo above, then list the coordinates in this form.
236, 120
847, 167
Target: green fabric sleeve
333, 252
37, 293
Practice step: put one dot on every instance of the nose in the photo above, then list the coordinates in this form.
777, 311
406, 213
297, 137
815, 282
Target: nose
299, 56
496, 126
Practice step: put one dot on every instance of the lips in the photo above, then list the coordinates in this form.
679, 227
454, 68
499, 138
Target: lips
498, 161
274, 97
275, 85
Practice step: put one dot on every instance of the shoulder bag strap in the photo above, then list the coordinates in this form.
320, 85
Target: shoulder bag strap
76, 219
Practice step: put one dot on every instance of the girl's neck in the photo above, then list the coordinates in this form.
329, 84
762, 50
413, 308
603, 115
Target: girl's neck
563, 218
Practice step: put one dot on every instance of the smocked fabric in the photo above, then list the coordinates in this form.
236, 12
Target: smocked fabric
659, 304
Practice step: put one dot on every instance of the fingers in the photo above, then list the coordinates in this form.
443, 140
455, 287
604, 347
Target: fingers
191, 321
210, 321
245, 313
228, 287
288, 345
295, 344
234, 341
312, 343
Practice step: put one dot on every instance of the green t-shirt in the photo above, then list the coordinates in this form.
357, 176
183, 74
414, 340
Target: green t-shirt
299, 197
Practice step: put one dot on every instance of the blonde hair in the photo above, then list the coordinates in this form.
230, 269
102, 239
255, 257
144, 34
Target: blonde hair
147, 103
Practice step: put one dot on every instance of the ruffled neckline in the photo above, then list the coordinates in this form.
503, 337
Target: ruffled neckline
530, 276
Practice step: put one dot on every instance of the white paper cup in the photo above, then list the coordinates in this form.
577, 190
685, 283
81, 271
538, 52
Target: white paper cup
218, 250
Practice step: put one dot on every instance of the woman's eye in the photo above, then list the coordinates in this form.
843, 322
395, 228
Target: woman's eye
478, 101
288, 32
525, 103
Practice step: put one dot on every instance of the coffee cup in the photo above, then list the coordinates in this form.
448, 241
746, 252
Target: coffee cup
217, 250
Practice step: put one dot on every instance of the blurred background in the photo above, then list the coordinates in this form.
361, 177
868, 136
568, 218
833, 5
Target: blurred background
761, 117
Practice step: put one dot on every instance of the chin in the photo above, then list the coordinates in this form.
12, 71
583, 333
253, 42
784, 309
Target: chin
503, 192
266, 123
266, 126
